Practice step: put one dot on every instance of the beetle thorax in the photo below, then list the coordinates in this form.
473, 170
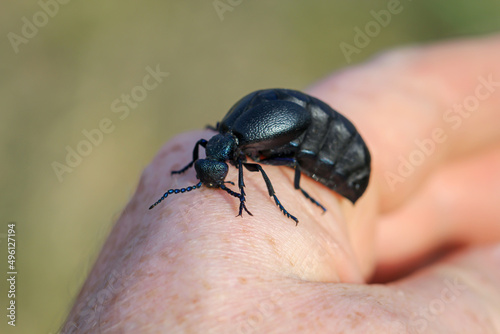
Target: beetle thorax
221, 147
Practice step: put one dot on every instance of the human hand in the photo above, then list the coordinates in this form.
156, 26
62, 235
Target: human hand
190, 266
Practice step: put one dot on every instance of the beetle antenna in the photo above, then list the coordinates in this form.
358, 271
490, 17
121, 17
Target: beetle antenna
175, 191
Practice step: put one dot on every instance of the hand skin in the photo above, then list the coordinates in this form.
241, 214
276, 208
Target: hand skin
189, 265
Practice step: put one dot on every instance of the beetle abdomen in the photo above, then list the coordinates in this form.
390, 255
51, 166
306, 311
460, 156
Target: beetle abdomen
333, 153
330, 150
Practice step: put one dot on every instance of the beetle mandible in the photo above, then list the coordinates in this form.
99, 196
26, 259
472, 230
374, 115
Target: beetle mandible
283, 127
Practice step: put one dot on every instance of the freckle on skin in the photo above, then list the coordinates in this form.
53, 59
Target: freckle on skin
180, 319
165, 255
473, 317
356, 318
271, 240
242, 280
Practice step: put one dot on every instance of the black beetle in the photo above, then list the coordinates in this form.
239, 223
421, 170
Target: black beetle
283, 127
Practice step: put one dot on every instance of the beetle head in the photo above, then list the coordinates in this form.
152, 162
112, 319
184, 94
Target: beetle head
211, 172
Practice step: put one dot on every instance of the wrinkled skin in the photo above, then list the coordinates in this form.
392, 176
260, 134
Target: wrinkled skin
191, 266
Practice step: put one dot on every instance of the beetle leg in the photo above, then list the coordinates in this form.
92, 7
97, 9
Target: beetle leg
291, 162
296, 184
211, 127
201, 142
258, 168
240, 196
241, 183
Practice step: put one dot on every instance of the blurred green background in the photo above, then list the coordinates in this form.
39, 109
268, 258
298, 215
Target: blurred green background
65, 76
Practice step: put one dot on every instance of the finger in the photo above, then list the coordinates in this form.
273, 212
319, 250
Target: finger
406, 105
418, 108
460, 294
457, 206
